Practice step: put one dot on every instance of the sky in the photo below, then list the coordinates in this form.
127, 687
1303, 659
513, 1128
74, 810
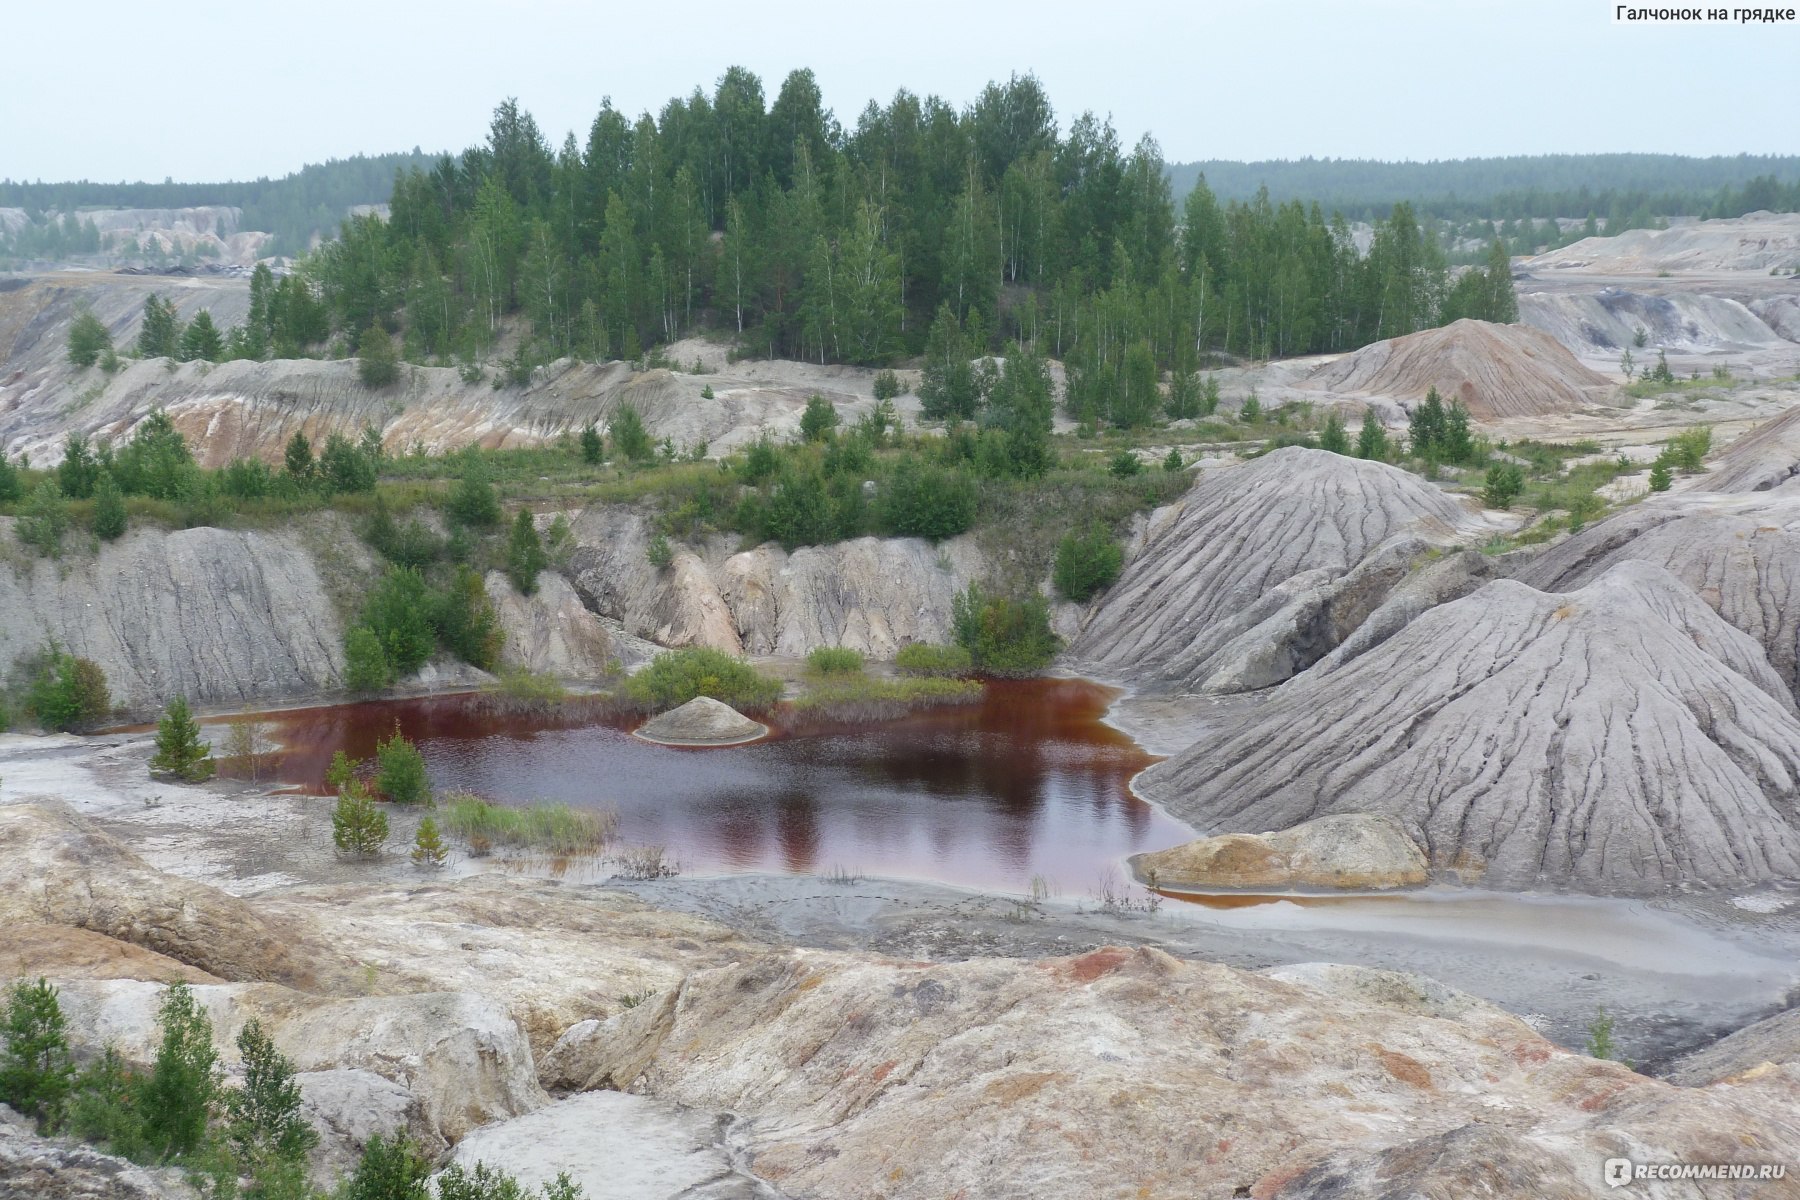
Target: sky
204, 91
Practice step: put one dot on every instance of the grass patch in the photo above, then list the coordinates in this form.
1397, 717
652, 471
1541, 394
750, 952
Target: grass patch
928, 658
519, 691
543, 825
867, 698
677, 676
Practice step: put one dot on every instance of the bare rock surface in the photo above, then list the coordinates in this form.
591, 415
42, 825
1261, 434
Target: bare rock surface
1739, 553
1762, 459
1352, 850
550, 632
37, 1168
1601, 325
702, 721
869, 594
1132, 1073
1496, 371
1773, 1040
1302, 543
1750, 243
221, 616
1620, 737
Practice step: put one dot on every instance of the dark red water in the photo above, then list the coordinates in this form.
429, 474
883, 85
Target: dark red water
1028, 782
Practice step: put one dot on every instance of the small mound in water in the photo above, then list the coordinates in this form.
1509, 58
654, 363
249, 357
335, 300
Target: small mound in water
1497, 371
702, 721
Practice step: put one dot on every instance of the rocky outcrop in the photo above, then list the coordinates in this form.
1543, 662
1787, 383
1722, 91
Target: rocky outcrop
57, 869
1496, 371
551, 632
1601, 325
1772, 1041
869, 594
37, 1168
1739, 553
1358, 851
1262, 568
1128, 1072
1759, 461
221, 616
1620, 737
702, 721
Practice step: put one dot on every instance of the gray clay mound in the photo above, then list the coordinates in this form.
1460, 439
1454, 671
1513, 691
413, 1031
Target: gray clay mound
702, 721
1763, 459
1261, 569
1497, 371
1619, 738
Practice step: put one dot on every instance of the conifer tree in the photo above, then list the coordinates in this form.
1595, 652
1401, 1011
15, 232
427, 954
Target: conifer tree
179, 750
1371, 440
428, 845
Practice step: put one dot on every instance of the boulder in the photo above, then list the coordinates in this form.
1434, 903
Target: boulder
39, 1168
1359, 851
1619, 737
550, 632
702, 721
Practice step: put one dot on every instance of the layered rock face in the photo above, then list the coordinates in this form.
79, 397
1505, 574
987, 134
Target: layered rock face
1262, 568
1739, 553
1352, 850
1496, 371
221, 616
1759, 461
1131, 1073
1620, 737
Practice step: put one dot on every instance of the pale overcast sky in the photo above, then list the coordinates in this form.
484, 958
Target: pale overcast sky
205, 90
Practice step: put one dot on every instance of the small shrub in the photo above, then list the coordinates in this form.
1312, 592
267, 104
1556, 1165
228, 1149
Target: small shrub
1173, 461
37, 1072
66, 692
518, 690
645, 862
525, 556
179, 751
264, 1125
178, 1097
1502, 485
44, 521
1251, 410
365, 663
1661, 476
834, 660
630, 440
1124, 465
358, 828
925, 658
400, 771
706, 392
677, 676
593, 450
428, 845
1600, 1036
377, 362
860, 697
109, 509
1003, 635
887, 385
1086, 563
818, 419
659, 553
1687, 450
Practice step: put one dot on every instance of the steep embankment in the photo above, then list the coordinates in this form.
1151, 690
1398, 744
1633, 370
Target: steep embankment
1759, 461
1496, 371
1739, 553
870, 594
1603, 324
1619, 737
1751, 243
1262, 568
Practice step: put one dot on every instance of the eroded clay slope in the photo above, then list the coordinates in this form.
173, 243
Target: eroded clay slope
1262, 568
1620, 737
1497, 371
1760, 460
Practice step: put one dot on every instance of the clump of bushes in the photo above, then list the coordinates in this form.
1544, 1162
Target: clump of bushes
1003, 635
927, 658
677, 676
553, 827
65, 692
834, 660
1086, 562
1503, 484
860, 697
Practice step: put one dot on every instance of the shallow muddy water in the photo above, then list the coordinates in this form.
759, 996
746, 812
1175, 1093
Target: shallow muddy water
1029, 782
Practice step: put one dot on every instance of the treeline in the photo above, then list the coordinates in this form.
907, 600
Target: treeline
312, 200
806, 239
1627, 189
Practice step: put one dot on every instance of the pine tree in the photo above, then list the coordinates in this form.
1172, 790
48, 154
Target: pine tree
947, 383
1333, 437
1371, 440
178, 1097
1662, 475
36, 1069
78, 471
88, 339
297, 459
525, 554
593, 450
1457, 444
201, 341
1426, 426
400, 771
428, 846
630, 440
179, 750
160, 334
109, 509
365, 662
377, 362
358, 828
263, 1120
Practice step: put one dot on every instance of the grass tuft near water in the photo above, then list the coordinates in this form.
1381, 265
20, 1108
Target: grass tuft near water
550, 826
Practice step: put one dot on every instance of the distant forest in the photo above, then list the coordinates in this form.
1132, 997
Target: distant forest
1624, 191
312, 200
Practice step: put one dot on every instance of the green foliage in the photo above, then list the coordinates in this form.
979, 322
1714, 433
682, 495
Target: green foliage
1600, 1042
887, 384
1124, 465
1687, 450
472, 502
677, 676
377, 362
1503, 485
346, 467
398, 611
1086, 563
428, 845
78, 471
297, 458
1251, 410
358, 828
201, 340
834, 660
159, 336
365, 662
1173, 462
177, 1099
922, 500
1333, 437
659, 553
179, 751
66, 692
109, 509
12, 486
104, 1107
818, 419
1371, 439
630, 440
1426, 426
1661, 476
88, 339
553, 827
525, 555
37, 1072
947, 386
264, 1125
1004, 636
44, 520
400, 771
390, 1169
465, 621
593, 449
926, 658
157, 462
483, 1182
